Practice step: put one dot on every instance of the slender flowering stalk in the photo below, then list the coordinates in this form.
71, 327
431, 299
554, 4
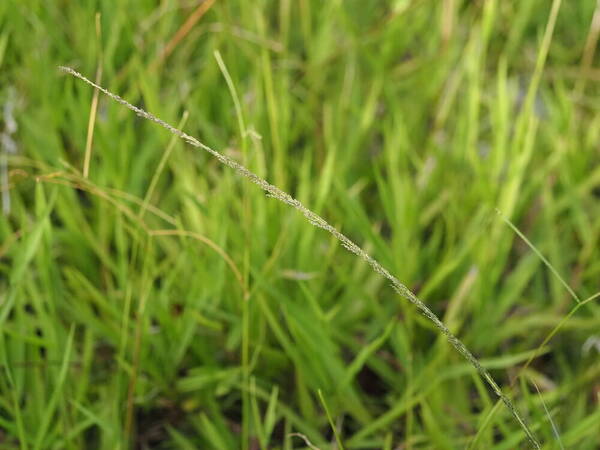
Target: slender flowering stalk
318, 221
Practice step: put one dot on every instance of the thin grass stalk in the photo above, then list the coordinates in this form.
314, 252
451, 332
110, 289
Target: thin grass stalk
318, 221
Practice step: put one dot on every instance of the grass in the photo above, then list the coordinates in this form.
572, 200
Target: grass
151, 299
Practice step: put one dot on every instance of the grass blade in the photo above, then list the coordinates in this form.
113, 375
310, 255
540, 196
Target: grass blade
331, 424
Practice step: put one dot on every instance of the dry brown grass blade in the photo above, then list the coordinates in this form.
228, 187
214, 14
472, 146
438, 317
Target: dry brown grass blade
588, 52
211, 244
94, 106
183, 31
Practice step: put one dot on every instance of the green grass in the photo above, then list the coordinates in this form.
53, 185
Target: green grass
163, 301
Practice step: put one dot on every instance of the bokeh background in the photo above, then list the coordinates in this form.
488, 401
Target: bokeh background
151, 298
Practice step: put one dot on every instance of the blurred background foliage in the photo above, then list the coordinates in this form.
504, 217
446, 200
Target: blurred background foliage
162, 301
